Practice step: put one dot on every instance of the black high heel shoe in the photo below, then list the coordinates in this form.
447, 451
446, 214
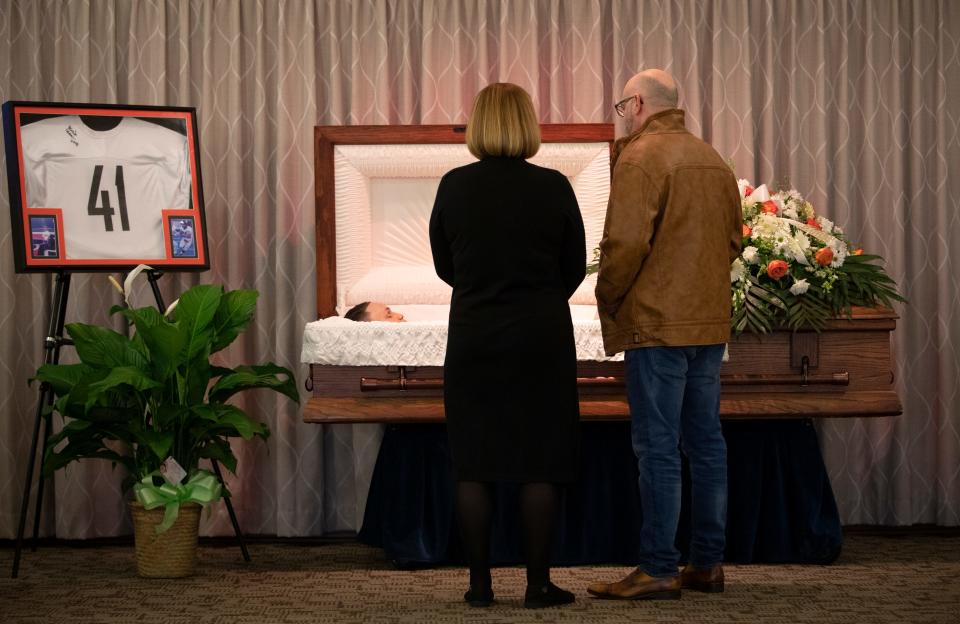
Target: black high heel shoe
476, 597
548, 595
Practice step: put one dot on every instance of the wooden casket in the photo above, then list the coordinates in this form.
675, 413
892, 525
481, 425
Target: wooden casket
374, 192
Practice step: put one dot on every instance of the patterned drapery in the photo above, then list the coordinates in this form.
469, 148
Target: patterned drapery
853, 103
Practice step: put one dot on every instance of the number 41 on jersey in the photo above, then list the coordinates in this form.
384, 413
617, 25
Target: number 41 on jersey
105, 209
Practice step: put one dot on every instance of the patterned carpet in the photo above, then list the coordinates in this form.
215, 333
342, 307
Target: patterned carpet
877, 579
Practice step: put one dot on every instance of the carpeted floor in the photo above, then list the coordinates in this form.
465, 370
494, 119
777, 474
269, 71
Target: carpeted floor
877, 579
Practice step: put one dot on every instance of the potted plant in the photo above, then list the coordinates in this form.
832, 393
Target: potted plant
155, 404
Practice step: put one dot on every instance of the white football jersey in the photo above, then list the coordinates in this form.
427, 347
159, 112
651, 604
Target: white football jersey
110, 185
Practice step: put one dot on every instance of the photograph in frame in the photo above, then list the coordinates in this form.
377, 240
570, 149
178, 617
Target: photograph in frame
104, 187
183, 240
44, 239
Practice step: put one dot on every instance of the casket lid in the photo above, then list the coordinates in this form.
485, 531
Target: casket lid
374, 192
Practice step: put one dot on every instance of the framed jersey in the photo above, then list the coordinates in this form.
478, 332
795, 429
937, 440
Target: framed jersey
104, 187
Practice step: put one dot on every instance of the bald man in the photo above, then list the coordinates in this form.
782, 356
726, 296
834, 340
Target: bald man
673, 227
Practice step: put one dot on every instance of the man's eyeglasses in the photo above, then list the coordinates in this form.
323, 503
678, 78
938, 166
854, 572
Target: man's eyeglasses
621, 106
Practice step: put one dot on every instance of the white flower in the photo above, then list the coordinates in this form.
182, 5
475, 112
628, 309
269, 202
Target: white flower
759, 194
792, 246
826, 224
171, 308
113, 281
799, 287
839, 252
769, 227
737, 271
750, 255
790, 213
799, 247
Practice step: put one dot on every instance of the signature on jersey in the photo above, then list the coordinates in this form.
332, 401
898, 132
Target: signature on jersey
72, 134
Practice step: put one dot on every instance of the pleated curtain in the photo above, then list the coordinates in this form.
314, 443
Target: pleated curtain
852, 102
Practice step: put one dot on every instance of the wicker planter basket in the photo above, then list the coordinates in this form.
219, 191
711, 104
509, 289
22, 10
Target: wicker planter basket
171, 554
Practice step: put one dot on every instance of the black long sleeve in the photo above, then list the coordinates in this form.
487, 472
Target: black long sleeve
439, 245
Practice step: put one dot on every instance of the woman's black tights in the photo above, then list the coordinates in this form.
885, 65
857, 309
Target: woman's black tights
539, 505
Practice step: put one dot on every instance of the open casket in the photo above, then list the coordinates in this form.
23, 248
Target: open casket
374, 192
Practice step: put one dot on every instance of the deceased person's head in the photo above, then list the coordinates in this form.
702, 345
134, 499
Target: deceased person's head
373, 311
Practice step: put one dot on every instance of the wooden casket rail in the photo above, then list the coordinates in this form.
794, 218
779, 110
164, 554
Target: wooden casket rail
845, 371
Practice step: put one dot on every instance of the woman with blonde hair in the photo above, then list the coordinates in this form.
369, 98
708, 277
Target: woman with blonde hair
508, 236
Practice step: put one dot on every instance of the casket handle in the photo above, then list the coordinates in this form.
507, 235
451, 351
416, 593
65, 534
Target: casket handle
842, 378
402, 382
804, 379
600, 382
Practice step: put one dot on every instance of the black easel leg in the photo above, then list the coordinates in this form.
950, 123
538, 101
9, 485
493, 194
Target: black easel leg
46, 424
233, 515
52, 349
25, 503
152, 277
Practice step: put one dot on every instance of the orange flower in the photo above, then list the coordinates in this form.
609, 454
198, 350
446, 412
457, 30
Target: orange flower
857, 251
746, 230
813, 223
777, 269
770, 207
747, 190
824, 256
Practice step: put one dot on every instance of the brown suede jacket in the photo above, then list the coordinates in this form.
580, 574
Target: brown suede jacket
673, 227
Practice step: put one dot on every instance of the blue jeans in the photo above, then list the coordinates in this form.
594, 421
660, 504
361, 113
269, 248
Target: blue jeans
674, 395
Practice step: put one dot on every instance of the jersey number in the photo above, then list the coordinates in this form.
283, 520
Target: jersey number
105, 209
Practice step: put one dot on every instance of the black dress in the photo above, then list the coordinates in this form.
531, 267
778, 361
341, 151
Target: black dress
508, 236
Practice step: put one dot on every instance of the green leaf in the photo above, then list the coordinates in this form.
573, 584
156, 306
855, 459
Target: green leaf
71, 428
158, 442
230, 421
106, 414
194, 316
164, 340
99, 346
61, 377
118, 377
198, 382
220, 451
807, 311
247, 377
233, 316
82, 445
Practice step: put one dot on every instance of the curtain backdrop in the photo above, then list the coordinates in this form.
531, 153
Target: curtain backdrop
855, 104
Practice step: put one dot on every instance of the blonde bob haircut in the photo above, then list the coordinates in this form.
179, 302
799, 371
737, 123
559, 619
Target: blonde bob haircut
503, 123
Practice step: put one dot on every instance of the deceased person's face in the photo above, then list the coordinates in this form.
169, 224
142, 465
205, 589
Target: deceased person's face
381, 312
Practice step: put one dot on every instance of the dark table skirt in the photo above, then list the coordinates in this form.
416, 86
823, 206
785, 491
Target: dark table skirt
781, 506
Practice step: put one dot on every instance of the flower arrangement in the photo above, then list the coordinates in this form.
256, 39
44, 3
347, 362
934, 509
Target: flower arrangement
797, 268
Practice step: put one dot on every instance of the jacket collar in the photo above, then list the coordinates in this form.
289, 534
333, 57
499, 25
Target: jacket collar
665, 122
670, 120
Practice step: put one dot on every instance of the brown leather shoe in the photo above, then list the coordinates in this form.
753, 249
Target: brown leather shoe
708, 580
638, 586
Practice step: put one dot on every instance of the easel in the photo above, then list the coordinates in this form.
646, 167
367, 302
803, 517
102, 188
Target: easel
51, 346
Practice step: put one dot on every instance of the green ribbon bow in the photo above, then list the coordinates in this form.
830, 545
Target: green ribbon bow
201, 488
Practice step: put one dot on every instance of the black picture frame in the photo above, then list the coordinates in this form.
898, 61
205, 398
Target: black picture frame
100, 187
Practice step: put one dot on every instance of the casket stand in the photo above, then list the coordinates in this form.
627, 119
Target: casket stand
781, 504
